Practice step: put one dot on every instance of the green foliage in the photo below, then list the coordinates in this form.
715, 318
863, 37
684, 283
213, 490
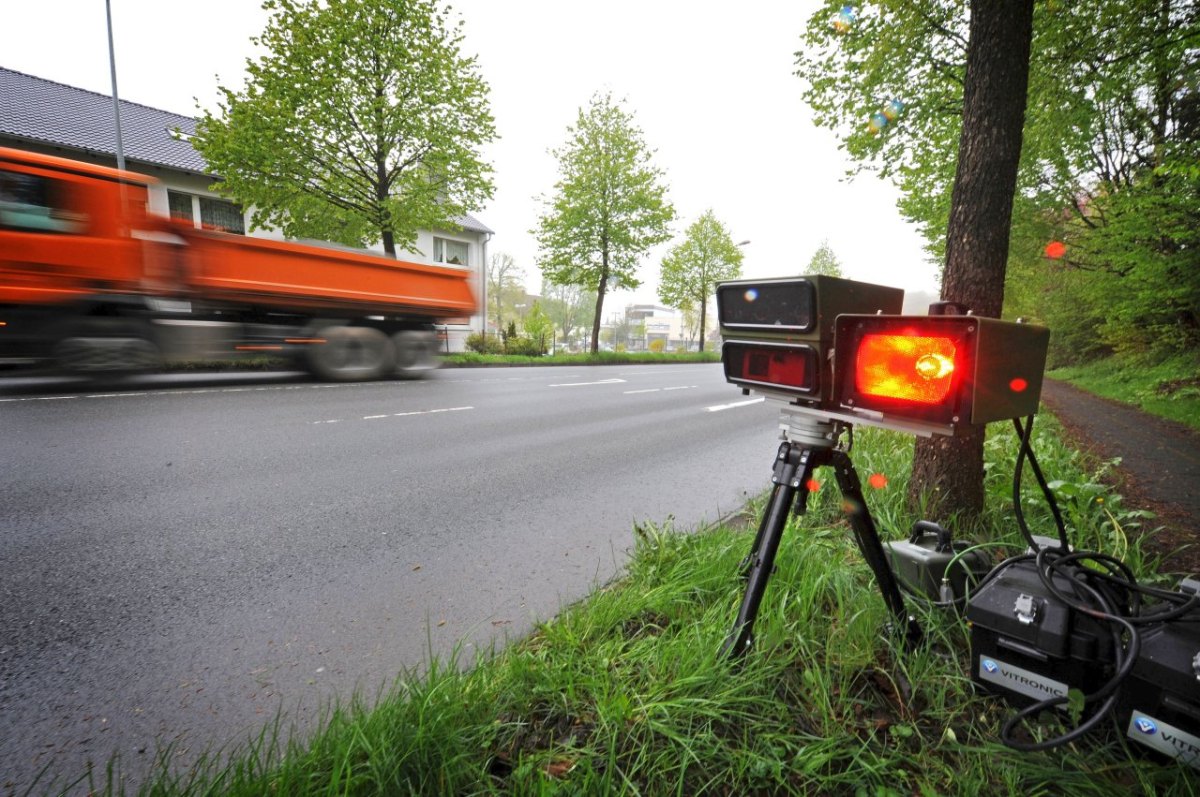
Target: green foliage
570, 307
707, 255
484, 344
895, 50
525, 346
539, 326
609, 205
599, 358
1111, 139
824, 262
361, 122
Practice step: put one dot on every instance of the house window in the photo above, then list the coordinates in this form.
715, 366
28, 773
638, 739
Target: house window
215, 214
180, 206
218, 214
448, 251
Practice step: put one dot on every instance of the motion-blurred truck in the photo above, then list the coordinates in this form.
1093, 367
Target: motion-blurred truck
91, 281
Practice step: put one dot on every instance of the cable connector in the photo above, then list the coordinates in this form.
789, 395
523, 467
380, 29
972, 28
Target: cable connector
946, 592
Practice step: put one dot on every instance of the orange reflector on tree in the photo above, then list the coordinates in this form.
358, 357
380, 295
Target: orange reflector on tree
905, 367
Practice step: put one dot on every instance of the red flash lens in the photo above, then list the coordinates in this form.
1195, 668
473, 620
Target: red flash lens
905, 367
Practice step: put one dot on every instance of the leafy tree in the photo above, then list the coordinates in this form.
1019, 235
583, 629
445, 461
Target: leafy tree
950, 469
505, 285
691, 324
569, 306
1108, 144
1129, 210
609, 206
538, 325
691, 269
362, 123
1110, 133
824, 262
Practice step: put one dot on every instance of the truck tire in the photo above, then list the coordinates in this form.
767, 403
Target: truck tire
416, 353
352, 354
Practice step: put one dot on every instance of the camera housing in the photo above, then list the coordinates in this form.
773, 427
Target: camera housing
779, 333
840, 349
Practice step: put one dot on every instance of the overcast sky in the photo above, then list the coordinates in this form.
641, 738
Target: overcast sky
710, 83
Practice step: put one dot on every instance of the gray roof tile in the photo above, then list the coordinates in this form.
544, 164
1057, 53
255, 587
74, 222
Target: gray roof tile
36, 109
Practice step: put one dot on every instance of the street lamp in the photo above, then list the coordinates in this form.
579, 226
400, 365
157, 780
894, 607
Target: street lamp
112, 66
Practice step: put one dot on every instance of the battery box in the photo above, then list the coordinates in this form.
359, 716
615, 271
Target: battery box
1027, 645
1159, 707
920, 562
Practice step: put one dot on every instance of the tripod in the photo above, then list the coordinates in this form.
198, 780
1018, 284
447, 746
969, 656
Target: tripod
810, 441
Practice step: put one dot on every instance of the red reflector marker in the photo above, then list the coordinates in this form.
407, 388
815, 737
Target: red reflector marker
905, 367
1018, 385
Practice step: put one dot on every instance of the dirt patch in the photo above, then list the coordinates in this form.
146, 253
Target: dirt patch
1159, 469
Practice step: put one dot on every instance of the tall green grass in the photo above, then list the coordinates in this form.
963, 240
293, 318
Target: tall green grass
624, 693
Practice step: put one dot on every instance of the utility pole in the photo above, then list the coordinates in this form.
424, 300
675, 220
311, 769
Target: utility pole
112, 65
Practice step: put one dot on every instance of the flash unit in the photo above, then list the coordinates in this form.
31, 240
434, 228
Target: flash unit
942, 372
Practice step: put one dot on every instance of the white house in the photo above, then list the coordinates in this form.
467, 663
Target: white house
40, 115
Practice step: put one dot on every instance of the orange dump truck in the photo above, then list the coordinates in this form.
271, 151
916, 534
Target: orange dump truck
91, 281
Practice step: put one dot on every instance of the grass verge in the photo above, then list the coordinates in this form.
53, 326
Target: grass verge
623, 693
1169, 389
468, 359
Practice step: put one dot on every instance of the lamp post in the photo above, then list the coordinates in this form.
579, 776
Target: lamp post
112, 66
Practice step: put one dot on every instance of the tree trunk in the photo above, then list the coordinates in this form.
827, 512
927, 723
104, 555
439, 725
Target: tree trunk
948, 471
703, 308
599, 307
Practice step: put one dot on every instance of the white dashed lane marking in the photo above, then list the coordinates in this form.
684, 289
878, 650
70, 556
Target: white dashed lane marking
586, 384
399, 414
659, 389
720, 407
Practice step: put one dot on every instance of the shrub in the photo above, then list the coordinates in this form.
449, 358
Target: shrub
525, 346
481, 343
658, 346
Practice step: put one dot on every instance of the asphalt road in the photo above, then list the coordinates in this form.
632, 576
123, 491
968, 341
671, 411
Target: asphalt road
182, 558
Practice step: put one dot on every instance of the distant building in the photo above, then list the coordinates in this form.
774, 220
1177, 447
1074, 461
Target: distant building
642, 324
40, 115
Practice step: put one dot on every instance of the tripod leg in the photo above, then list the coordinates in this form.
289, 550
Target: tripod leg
797, 469
781, 477
872, 549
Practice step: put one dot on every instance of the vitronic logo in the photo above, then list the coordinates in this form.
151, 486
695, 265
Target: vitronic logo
1146, 725
1165, 738
1017, 679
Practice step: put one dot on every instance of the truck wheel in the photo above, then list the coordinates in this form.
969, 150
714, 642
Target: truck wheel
416, 353
351, 354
